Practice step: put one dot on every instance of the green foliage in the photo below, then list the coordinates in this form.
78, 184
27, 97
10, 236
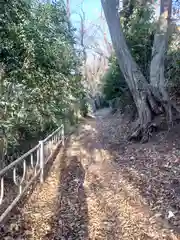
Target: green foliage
115, 89
39, 78
114, 84
139, 33
84, 108
172, 65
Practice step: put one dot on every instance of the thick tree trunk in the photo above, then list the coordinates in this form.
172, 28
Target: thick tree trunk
160, 47
137, 84
148, 98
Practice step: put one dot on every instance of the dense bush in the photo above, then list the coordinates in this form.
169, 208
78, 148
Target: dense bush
172, 65
115, 89
40, 84
139, 34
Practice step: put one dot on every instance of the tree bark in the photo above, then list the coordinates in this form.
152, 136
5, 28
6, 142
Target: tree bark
160, 47
147, 97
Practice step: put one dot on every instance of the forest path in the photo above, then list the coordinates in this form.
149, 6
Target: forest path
87, 196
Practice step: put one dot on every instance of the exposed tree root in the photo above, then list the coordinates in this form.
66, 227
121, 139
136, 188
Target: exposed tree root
154, 105
143, 133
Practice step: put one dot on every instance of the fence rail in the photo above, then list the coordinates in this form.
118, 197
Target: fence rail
27, 169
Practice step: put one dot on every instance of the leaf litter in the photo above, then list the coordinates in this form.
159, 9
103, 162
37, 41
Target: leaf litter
102, 187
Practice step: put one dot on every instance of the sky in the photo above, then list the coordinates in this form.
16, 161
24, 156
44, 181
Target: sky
92, 8
95, 26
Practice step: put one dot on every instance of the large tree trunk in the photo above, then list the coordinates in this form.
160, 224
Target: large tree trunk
160, 47
148, 98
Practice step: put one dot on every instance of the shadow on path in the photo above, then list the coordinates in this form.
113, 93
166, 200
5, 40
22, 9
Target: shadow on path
71, 218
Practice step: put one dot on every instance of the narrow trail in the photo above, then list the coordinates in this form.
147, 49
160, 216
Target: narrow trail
85, 196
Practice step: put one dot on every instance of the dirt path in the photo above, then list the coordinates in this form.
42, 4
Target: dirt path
87, 196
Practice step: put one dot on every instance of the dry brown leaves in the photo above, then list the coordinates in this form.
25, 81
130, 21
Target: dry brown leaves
102, 187
151, 169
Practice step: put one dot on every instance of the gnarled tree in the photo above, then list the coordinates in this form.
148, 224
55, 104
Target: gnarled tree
151, 97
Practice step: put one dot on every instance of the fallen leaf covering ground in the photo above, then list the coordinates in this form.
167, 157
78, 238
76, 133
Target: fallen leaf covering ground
102, 187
